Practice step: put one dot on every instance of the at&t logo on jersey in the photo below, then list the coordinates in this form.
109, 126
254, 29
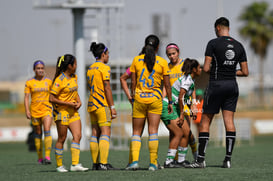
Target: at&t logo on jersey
230, 54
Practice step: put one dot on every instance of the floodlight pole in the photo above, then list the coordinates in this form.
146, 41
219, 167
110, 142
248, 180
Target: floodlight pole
78, 14
78, 8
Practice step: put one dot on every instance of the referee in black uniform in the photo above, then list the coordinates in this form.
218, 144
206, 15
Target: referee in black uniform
221, 58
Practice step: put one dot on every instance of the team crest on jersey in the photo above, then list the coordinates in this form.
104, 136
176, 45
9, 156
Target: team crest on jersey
46, 84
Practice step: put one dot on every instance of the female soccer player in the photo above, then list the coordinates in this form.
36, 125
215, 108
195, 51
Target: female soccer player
100, 106
66, 102
147, 72
40, 110
181, 90
175, 66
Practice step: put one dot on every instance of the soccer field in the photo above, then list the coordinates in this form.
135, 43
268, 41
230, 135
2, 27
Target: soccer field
250, 162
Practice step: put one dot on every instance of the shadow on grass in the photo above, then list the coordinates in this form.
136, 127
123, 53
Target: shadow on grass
24, 164
214, 166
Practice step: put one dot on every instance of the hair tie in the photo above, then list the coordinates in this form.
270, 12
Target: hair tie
61, 60
150, 43
105, 49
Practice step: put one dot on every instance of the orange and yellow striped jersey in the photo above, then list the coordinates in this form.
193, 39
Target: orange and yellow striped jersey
96, 74
148, 83
39, 91
65, 89
176, 71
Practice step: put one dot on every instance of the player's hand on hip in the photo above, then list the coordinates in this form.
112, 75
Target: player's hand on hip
78, 105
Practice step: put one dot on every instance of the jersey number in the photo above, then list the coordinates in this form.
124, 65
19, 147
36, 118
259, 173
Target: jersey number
143, 80
91, 86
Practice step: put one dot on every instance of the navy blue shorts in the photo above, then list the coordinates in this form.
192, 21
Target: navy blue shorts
221, 94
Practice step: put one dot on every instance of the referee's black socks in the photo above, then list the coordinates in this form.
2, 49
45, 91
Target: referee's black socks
230, 140
203, 141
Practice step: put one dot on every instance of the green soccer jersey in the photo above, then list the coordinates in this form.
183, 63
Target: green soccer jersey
186, 82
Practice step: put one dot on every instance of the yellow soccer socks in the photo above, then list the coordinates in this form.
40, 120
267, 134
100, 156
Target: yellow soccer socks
135, 147
153, 147
193, 146
104, 145
59, 156
75, 153
39, 148
48, 144
94, 149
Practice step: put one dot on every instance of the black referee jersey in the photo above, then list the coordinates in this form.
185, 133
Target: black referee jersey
226, 53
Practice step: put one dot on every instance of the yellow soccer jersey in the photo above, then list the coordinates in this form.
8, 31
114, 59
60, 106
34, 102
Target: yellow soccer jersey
148, 83
176, 71
39, 91
96, 74
65, 89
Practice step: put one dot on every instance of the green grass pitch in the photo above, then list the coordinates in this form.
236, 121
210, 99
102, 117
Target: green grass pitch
249, 162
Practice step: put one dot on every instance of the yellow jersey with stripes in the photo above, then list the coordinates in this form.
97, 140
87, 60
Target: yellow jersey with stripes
148, 83
176, 71
39, 91
65, 89
96, 74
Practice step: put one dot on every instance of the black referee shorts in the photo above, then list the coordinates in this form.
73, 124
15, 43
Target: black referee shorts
221, 94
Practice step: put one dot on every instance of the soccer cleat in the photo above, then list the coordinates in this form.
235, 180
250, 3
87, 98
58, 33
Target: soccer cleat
184, 163
159, 166
226, 164
106, 167
133, 166
47, 161
172, 165
153, 167
78, 168
196, 165
61, 169
95, 166
40, 161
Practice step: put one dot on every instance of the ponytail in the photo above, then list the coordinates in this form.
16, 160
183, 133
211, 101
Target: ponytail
151, 45
149, 57
188, 66
98, 49
62, 64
